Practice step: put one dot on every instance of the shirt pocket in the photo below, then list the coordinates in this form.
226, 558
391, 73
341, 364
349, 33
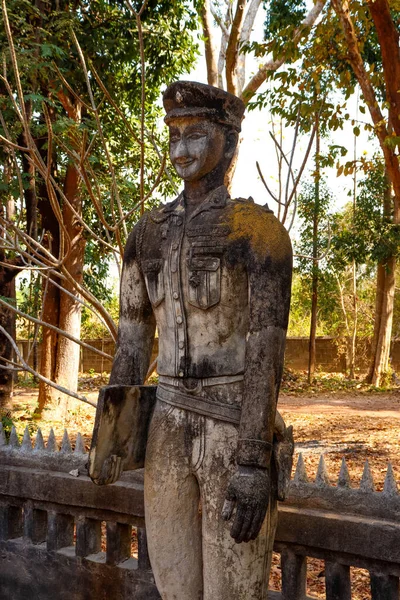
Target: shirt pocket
154, 276
204, 281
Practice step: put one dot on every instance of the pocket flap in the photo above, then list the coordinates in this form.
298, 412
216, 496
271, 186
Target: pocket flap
204, 263
152, 266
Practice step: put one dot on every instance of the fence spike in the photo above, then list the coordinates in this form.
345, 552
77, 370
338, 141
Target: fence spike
66, 444
39, 443
26, 445
51, 442
367, 481
79, 445
300, 475
390, 485
14, 441
3, 441
344, 476
322, 477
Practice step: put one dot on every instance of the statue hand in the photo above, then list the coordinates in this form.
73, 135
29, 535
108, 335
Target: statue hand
249, 490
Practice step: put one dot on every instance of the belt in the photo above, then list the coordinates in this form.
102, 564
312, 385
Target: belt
199, 405
206, 382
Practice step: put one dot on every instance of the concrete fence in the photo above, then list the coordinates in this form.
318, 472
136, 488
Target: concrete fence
63, 537
331, 355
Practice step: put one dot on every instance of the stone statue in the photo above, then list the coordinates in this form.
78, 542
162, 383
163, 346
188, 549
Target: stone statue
213, 275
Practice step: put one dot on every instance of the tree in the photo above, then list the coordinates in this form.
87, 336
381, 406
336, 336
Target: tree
364, 36
314, 202
226, 64
375, 84
84, 167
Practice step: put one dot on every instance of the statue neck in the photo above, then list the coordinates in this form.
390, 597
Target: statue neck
196, 191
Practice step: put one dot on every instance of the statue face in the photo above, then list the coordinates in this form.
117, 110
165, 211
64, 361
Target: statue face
196, 147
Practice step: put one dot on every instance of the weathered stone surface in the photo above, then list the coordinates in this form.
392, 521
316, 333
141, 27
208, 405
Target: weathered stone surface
31, 573
120, 431
341, 525
213, 274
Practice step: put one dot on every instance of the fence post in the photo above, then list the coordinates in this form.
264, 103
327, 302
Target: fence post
88, 536
118, 543
384, 587
60, 531
337, 581
35, 524
294, 575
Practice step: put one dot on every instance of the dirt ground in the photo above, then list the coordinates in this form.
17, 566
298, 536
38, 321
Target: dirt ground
357, 425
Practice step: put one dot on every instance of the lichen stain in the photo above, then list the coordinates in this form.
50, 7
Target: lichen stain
266, 235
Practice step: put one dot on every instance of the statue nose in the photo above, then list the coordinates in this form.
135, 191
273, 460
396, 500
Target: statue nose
180, 150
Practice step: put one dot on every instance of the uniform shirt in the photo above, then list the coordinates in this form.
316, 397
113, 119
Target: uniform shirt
217, 285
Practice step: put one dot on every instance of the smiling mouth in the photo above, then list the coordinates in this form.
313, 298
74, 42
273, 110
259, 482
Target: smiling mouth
185, 163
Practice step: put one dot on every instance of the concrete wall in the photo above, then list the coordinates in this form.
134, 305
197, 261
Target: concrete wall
330, 354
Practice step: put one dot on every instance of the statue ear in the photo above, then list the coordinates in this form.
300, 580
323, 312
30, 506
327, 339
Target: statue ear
231, 142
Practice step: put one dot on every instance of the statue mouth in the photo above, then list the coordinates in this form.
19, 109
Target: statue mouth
185, 163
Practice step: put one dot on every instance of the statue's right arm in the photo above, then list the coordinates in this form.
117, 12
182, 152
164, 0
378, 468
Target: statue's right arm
137, 324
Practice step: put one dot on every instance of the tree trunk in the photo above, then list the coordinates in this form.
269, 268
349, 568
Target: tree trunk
315, 268
232, 167
48, 346
68, 352
353, 339
51, 295
380, 351
7, 291
7, 320
209, 46
313, 325
384, 304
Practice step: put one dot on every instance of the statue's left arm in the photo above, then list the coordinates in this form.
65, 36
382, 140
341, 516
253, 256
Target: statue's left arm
269, 268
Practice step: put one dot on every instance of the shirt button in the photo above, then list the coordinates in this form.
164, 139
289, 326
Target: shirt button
180, 373
174, 246
181, 345
175, 295
179, 320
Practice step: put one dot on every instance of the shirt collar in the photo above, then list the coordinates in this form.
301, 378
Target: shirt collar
216, 199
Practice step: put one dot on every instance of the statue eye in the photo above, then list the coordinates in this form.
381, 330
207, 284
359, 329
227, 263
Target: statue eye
196, 135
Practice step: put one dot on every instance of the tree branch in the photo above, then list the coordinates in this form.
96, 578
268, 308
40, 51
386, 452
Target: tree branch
211, 59
26, 367
355, 60
54, 328
232, 51
273, 65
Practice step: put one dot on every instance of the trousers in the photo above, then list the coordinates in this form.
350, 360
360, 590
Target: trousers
190, 459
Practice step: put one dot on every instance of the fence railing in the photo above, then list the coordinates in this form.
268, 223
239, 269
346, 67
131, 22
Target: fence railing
63, 537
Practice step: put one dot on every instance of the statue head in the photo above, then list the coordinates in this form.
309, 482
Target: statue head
204, 123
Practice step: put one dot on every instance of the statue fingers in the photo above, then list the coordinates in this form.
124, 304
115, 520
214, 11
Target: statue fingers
238, 523
247, 523
256, 524
244, 517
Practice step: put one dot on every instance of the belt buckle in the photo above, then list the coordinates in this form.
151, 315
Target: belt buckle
191, 385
